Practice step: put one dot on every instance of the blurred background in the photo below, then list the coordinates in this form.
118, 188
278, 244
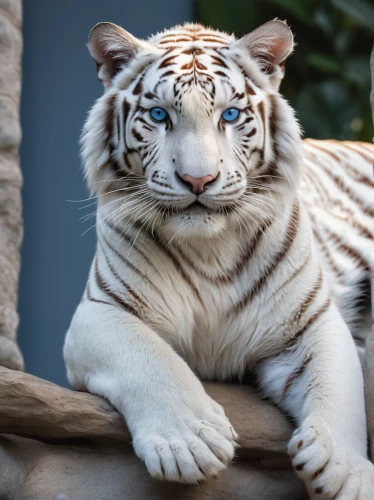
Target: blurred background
327, 82
328, 76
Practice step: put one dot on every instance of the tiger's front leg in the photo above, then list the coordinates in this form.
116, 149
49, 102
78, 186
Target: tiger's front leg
318, 381
178, 430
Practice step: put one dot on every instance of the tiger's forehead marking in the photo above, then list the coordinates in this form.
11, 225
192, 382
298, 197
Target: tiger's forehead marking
181, 35
193, 67
193, 58
191, 44
196, 58
194, 72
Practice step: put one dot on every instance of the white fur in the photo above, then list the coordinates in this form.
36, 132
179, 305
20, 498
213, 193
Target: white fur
147, 368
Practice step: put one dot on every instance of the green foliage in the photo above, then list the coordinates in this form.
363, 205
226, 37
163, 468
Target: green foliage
328, 76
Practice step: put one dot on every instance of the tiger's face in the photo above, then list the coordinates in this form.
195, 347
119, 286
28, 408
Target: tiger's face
191, 136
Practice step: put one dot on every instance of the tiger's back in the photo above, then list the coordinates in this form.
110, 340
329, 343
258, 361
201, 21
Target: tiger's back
337, 188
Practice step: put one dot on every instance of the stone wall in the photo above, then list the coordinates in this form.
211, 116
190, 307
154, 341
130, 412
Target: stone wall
10, 179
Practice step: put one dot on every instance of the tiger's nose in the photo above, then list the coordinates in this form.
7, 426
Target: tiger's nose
198, 184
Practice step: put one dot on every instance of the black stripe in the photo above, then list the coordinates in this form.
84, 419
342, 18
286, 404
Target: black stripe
232, 274
178, 266
309, 298
131, 266
124, 236
138, 89
126, 108
352, 147
297, 373
150, 160
249, 89
294, 274
328, 256
104, 287
123, 283
137, 136
261, 111
289, 239
348, 249
92, 299
110, 117
293, 340
355, 174
273, 125
347, 190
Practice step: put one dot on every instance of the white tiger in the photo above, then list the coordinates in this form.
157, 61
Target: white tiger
207, 264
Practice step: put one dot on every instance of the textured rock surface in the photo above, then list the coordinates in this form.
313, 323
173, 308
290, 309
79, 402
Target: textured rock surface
94, 459
10, 179
35, 408
88, 473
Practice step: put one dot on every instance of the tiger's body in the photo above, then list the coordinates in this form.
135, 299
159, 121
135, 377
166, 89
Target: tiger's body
223, 246
337, 189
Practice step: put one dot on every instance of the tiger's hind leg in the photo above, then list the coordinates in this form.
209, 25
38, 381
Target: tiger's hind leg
318, 381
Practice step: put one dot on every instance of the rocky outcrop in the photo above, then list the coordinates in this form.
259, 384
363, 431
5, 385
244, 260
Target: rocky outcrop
70, 472
35, 408
94, 458
10, 179
65, 445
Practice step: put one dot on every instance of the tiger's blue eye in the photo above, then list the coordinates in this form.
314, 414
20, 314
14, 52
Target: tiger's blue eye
158, 114
231, 114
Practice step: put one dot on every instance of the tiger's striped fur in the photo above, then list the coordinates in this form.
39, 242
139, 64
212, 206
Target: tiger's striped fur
338, 190
256, 272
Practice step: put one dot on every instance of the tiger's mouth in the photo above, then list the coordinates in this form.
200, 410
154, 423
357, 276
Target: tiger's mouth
198, 212
194, 208
198, 207
195, 220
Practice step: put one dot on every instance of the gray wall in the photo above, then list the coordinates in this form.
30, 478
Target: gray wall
59, 87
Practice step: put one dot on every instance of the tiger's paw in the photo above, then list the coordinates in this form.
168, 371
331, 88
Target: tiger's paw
327, 470
196, 446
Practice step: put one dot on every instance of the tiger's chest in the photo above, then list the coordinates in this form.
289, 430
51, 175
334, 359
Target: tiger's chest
207, 329
224, 307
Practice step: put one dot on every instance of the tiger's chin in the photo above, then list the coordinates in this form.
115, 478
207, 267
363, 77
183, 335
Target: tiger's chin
194, 223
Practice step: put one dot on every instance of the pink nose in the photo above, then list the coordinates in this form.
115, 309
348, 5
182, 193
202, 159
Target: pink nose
198, 183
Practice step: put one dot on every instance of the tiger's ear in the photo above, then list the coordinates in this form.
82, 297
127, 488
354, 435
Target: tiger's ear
111, 47
270, 45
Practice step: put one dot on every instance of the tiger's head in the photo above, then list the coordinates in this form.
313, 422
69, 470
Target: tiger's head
191, 136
